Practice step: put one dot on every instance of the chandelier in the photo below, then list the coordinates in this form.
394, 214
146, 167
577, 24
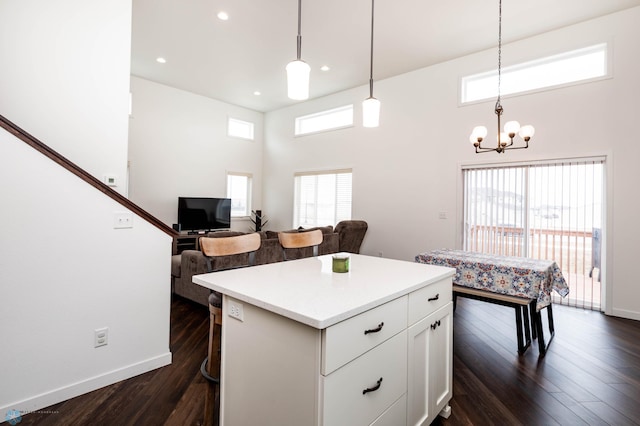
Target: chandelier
511, 128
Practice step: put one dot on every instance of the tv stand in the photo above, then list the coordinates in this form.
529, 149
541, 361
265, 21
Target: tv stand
184, 242
190, 240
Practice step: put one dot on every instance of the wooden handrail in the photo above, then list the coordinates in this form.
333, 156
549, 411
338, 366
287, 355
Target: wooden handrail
84, 175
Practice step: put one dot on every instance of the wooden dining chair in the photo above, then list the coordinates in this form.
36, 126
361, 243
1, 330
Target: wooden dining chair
300, 240
216, 250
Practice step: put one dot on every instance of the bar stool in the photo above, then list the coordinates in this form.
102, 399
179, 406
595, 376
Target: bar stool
215, 250
300, 240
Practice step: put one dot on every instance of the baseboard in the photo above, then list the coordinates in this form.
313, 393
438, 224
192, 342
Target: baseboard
56, 396
624, 313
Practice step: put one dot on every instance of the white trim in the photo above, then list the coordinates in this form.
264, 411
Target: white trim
504, 164
248, 124
72, 390
549, 61
299, 121
248, 195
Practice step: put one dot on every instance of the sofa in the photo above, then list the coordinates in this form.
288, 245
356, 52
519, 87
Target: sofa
346, 236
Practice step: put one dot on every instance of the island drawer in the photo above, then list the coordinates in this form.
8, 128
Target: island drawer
394, 415
360, 391
350, 338
429, 299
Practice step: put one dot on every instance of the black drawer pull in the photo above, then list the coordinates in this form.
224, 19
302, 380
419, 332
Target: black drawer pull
373, 389
436, 297
374, 330
435, 325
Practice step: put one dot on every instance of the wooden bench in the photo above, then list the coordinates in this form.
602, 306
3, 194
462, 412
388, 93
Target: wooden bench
520, 304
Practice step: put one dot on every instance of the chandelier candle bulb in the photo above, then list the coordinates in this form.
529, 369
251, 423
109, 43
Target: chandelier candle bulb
526, 132
511, 128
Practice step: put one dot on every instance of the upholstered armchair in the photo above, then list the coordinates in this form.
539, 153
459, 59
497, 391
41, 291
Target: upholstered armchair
351, 234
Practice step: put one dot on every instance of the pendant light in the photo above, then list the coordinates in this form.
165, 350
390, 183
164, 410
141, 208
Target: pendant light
298, 70
371, 106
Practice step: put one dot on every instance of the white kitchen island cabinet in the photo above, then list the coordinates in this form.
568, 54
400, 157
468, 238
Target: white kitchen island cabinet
302, 345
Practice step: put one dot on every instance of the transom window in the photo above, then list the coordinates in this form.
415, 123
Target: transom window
572, 67
322, 198
336, 118
240, 128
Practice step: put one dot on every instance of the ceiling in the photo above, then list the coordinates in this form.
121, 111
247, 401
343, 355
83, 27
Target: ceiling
230, 60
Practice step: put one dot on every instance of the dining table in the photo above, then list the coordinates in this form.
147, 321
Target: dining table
507, 280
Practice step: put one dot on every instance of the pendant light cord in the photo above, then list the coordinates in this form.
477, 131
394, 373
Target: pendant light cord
299, 38
371, 62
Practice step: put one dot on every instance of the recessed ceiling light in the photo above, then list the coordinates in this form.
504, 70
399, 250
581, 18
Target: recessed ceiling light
325, 68
161, 60
257, 93
223, 16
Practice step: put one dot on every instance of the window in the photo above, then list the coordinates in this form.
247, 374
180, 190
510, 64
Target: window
322, 198
570, 67
239, 190
336, 118
547, 210
240, 129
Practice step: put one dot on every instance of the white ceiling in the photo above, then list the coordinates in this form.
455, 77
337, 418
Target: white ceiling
230, 60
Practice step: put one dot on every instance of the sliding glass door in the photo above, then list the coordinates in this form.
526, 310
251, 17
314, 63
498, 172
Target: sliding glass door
543, 210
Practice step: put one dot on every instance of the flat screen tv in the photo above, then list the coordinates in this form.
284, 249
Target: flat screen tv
204, 214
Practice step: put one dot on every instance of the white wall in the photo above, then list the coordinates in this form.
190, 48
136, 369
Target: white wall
64, 272
62, 78
407, 171
64, 269
178, 146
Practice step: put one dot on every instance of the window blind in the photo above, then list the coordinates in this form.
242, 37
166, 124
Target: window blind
551, 211
322, 198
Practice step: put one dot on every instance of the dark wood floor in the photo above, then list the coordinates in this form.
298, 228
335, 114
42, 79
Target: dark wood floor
590, 375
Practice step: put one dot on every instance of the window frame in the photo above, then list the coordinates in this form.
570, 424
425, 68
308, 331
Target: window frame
299, 121
337, 217
248, 194
510, 73
250, 124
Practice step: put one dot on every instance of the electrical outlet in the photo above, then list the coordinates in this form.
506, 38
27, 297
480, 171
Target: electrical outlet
236, 311
122, 220
100, 337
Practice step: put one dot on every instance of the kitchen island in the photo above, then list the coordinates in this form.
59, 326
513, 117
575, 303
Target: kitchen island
302, 345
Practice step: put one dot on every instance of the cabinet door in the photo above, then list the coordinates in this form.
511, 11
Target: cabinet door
441, 359
430, 363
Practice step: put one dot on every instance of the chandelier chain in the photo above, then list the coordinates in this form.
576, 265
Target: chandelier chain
499, 51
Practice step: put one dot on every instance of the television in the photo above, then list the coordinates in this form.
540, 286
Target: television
204, 214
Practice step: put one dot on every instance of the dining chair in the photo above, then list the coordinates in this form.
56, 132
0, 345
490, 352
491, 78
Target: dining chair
217, 252
300, 240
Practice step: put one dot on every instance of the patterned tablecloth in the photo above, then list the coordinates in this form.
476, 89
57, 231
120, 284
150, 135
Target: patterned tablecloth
514, 276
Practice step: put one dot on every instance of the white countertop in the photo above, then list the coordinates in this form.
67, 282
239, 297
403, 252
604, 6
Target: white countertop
308, 291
